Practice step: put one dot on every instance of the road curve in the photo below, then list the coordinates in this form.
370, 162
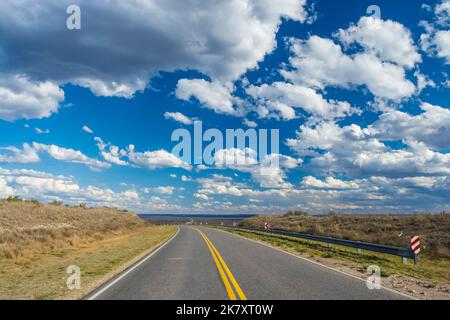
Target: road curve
208, 264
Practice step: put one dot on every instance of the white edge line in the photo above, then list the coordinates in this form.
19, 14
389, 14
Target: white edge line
318, 263
122, 275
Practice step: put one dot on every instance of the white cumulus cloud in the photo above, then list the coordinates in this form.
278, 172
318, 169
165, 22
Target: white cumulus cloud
387, 39
155, 159
87, 129
70, 155
212, 95
320, 63
178, 117
281, 99
22, 98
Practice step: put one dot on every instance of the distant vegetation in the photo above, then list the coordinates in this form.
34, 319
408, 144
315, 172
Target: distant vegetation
297, 214
434, 229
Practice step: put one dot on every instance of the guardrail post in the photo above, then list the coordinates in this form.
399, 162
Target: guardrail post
358, 251
404, 260
416, 259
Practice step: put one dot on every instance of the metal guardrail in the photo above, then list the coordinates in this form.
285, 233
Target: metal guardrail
396, 251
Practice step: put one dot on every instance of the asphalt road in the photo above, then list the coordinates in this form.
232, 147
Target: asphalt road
203, 263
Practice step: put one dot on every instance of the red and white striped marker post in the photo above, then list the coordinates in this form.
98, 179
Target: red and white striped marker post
415, 247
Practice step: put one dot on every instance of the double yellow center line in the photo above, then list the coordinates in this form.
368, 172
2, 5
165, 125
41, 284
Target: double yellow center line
224, 271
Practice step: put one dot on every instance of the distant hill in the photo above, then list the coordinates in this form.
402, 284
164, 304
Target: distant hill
187, 216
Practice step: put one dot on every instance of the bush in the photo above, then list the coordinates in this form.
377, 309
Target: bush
13, 199
296, 214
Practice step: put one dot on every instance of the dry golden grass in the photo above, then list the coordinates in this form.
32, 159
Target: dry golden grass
434, 229
38, 242
29, 225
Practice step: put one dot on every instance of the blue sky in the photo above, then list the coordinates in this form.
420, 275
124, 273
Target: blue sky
360, 101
